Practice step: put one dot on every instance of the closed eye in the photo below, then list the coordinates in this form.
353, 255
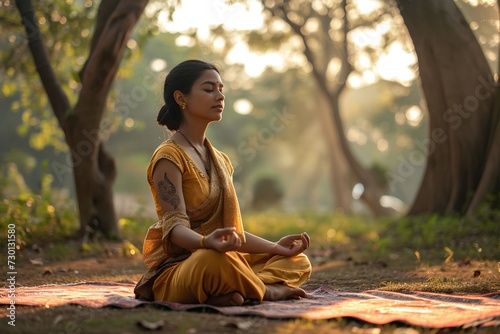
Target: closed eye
211, 90
212, 85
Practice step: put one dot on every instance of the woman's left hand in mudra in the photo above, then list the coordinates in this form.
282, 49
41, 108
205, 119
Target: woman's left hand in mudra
292, 245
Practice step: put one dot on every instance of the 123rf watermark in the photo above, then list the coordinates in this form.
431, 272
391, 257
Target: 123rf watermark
11, 273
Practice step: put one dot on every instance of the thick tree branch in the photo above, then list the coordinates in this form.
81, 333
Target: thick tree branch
8, 24
104, 12
346, 67
320, 76
58, 99
107, 52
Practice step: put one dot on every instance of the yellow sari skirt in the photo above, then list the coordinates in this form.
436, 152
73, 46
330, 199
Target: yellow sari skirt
210, 273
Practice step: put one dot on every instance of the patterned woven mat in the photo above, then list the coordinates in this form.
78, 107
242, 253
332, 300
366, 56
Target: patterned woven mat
375, 307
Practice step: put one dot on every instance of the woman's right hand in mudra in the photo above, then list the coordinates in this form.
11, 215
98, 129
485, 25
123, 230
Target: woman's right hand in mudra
223, 240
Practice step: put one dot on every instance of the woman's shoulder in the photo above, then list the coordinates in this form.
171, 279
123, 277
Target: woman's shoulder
169, 146
169, 150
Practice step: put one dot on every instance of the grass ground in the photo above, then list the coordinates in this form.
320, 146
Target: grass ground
339, 270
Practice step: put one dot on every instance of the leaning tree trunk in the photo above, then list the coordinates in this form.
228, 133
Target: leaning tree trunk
372, 191
341, 183
459, 90
94, 168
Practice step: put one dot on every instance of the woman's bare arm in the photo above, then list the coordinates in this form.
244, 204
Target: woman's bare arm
167, 181
289, 245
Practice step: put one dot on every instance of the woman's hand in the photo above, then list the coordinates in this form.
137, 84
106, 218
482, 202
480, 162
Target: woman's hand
223, 240
291, 245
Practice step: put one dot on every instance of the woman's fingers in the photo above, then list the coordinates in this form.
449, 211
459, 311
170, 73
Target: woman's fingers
220, 232
227, 239
305, 240
299, 242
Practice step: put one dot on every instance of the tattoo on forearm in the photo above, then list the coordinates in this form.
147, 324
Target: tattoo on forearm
166, 191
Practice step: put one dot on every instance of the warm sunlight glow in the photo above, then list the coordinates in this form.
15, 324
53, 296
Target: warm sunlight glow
131, 44
158, 65
254, 63
333, 68
201, 14
365, 7
382, 145
400, 118
369, 77
354, 80
481, 2
129, 122
414, 115
186, 41
364, 37
396, 64
243, 106
356, 136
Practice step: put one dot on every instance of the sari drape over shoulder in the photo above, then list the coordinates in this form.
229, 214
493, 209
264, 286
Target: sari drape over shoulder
220, 209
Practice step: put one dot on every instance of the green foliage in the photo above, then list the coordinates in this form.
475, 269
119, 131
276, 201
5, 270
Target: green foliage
338, 232
134, 230
379, 171
66, 31
48, 220
66, 27
37, 217
446, 237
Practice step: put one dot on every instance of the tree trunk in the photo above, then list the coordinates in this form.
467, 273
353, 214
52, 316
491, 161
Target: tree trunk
340, 170
459, 90
372, 191
490, 180
94, 168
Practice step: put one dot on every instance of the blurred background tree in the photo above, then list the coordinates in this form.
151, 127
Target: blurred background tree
329, 43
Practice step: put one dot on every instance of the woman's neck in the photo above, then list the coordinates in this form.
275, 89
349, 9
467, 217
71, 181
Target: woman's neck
196, 135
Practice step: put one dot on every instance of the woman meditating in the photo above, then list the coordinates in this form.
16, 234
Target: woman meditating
198, 251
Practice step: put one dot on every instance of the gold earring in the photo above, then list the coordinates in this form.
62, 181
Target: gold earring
183, 105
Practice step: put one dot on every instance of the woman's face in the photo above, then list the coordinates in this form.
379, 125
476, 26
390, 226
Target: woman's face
206, 101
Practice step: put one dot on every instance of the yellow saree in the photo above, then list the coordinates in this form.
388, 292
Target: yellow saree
180, 275
220, 209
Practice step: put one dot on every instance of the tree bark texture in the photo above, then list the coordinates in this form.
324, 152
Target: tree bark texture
93, 166
490, 180
459, 90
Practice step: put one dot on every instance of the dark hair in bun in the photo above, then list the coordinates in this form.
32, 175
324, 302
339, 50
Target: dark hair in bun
182, 78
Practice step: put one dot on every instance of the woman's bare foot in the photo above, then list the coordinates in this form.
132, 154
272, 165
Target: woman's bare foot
230, 299
280, 291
